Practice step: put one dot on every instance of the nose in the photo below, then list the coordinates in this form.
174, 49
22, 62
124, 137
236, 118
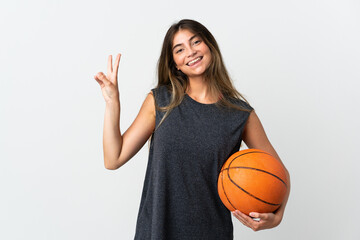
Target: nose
191, 52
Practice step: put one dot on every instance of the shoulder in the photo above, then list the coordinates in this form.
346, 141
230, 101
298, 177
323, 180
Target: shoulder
241, 103
148, 105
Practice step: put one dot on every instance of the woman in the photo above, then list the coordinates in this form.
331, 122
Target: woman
196, 119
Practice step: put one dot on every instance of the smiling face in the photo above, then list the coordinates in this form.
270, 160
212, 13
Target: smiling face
190, 53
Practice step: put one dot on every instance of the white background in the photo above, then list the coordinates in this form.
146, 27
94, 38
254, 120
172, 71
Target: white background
297, 62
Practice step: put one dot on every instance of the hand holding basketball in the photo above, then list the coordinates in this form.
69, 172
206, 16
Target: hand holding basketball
108, 83
254, 182
267, 220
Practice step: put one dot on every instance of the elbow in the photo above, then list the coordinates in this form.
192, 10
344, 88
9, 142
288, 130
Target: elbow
288, 174
288, 178
110, 166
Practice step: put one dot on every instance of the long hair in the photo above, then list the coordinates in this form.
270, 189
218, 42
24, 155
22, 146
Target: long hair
216, 75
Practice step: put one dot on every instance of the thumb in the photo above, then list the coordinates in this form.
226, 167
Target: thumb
256, 216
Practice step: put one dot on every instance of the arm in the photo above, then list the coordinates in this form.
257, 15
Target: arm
254, 136
119, 148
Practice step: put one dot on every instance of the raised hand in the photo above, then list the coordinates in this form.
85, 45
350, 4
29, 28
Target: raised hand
109, 82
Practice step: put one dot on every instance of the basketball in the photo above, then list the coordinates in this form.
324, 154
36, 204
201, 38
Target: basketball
252, 180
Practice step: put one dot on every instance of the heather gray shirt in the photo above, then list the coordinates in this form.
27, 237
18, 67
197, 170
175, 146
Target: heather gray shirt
180, 198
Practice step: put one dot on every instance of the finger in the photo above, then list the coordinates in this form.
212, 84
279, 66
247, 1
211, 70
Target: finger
238, 216
117, 61
99, 82
109, 66
101, 76
240, 219
246, 219
244, 216
249, 221
254, 225
255, 216
259, 216
264, 216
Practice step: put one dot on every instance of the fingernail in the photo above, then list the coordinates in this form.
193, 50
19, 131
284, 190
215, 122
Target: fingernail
252, 214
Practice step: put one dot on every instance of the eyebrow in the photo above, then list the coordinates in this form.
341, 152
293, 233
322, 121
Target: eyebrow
177, 45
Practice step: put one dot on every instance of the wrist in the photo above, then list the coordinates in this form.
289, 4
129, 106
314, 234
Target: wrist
113, 102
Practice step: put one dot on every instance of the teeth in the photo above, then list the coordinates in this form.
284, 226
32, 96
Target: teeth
194, 61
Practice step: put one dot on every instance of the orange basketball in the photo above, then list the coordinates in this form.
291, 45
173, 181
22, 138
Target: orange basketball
252, 180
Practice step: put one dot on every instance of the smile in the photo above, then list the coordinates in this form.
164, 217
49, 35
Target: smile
193, 62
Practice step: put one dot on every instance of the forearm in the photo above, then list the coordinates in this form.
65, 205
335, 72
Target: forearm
112, 139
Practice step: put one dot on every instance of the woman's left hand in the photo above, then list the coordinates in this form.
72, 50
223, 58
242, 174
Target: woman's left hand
267, 220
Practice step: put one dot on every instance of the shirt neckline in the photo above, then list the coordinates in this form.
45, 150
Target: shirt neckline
199, 103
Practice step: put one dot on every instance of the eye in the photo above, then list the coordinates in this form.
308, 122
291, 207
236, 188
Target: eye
196, 42
179, 50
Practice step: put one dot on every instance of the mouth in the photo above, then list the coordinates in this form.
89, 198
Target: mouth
194, 61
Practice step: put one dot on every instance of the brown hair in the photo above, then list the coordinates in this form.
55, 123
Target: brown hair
219, 82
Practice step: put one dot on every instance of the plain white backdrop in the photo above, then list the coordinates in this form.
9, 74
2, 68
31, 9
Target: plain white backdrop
297, 62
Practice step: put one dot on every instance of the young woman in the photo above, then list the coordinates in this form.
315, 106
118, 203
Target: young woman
195, 120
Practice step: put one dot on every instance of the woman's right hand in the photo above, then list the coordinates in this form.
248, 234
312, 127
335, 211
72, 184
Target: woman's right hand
108, 83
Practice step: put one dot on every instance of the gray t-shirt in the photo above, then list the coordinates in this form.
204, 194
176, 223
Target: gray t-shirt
180, 198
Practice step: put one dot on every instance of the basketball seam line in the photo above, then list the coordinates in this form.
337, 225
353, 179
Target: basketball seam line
222, 184
255, 168
274, 204
260, 170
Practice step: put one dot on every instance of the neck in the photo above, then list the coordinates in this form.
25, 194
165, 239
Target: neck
198, 89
